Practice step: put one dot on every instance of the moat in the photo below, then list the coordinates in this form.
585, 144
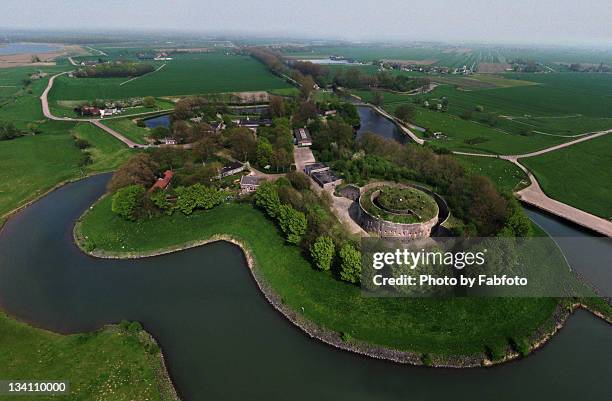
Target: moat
222, 340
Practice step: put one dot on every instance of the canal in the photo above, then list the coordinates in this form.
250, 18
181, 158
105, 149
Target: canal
223, 341
373, 122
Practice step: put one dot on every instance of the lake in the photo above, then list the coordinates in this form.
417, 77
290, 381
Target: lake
223, 341
159, 121
26, 48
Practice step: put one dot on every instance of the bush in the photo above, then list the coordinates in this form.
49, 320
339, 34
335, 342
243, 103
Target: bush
350, 266
85, 159
197, 196
299, 180
148, 101
127, 200
81, 143
322, 252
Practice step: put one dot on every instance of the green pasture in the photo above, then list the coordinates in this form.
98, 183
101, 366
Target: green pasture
31, 165
110, 364
128, 128
185, 75
579, 175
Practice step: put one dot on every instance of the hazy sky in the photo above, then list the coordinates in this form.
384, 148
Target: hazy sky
515, 21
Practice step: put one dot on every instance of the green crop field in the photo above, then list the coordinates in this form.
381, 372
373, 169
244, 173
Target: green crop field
185, 75
579, 175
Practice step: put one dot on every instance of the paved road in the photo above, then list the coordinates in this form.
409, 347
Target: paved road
535, 196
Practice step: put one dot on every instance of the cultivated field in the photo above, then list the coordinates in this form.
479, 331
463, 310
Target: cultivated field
185, 75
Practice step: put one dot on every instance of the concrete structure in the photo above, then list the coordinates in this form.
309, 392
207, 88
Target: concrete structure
302, 137
385, 228
322, 175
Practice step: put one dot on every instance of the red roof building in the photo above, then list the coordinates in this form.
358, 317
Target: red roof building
163, 183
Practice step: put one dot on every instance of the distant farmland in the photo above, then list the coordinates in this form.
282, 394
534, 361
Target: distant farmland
186, 75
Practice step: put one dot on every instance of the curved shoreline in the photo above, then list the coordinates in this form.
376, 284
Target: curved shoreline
334, 339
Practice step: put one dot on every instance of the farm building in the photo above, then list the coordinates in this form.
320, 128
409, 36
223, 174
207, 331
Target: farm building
249, 183
302, 137
164, 182
231, 169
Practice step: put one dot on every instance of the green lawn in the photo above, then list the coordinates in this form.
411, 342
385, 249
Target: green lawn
110, 364
579, 175
185, 75
445, 327
31, 165
506, 176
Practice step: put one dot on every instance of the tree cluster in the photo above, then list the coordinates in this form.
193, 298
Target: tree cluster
114, 70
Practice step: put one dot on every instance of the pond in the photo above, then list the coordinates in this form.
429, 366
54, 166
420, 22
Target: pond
26, 48
223, 341
159, 121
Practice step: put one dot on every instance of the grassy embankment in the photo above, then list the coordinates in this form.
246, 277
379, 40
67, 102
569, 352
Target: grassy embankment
579, 175
442, 327
114, 363
506, 176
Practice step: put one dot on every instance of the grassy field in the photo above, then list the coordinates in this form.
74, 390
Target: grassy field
129, 129
551, 110
185, 75
579, 175
20, 104
31, 165
110, 364
445, 327
506, 176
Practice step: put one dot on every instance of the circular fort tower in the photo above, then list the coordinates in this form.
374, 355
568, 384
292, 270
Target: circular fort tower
397, 211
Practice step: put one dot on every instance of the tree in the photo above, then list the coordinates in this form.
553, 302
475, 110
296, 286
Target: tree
149, 102
205, 148
405, 112
350, 263
34, 128
377, 98
264, 152
298, 180
127, 200
243, 143
197, 196
139, 169
267, 198
293, 223
322, 252
277, 106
